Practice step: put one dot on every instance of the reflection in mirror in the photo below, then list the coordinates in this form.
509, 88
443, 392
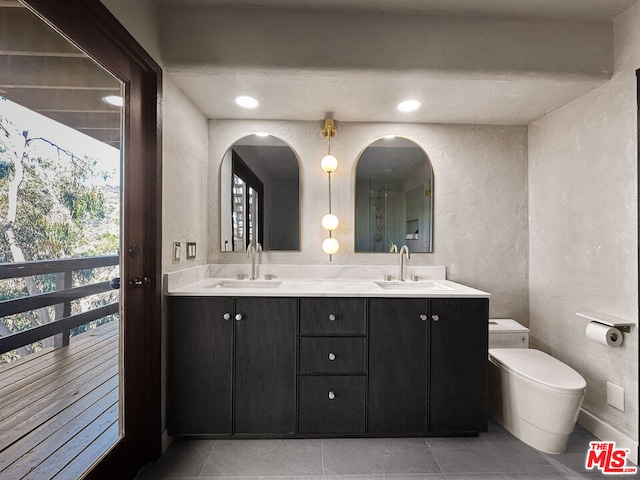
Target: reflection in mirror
394, 192
259, 195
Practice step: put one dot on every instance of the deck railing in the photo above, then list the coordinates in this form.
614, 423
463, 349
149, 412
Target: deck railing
62, 297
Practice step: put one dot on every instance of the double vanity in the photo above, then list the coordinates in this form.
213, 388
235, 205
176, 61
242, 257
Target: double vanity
340, 351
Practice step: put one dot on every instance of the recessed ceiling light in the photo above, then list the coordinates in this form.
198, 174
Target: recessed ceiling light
115, 100
389, 137
246, 101
409, 105
262, 134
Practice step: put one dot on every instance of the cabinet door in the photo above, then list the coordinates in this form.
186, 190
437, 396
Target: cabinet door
458, 373
200, 355
265, 373
397, 366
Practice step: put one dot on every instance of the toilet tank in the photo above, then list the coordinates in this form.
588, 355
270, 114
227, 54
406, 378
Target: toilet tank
507, 333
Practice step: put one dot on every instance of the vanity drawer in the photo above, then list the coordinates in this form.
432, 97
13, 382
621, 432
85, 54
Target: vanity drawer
331, 355
333, 316
331, 404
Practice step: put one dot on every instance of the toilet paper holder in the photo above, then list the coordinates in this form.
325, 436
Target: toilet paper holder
609, 320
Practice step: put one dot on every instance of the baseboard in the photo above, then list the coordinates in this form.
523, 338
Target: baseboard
606, 432
166, 441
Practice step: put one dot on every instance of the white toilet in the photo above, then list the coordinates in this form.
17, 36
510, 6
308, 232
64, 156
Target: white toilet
533, 395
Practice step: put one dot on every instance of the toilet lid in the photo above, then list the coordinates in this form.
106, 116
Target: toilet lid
539, 367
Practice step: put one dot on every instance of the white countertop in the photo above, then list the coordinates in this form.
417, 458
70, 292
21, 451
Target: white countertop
316, 281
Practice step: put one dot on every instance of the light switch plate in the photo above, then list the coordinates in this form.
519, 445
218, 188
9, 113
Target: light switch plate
615, 396
176, 252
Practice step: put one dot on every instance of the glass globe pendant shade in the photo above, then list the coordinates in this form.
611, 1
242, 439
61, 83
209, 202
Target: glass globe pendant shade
329, 163
330, 222
330, 246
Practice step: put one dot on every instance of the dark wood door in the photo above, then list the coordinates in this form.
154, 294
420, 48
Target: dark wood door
458, 366
88, 24
199, 367
397, 366
265, 365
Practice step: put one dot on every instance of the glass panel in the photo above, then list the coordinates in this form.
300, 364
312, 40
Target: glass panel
60, 177
239, 208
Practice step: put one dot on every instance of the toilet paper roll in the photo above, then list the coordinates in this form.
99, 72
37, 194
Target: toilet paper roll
604, 334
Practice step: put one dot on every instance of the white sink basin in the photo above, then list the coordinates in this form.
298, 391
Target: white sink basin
245, 284
424, 284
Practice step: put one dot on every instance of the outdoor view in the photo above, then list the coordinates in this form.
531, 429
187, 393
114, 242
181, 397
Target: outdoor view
59, 198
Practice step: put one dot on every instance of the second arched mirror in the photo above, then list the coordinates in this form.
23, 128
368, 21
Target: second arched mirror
259, 195
394, 197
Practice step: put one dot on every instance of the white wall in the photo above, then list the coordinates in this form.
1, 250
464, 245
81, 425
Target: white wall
583, 229
184, 176
480, 200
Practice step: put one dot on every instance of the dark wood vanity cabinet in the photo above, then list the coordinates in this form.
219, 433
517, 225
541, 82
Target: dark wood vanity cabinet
232, 365
427, 366
266, 366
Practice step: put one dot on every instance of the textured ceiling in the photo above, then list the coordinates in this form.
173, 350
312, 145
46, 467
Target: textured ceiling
468, 61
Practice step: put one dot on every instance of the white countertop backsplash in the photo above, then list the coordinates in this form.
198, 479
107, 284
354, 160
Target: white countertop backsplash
316, 281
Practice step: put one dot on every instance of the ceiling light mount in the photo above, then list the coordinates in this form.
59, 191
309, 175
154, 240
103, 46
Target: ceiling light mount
245, 101
409, 105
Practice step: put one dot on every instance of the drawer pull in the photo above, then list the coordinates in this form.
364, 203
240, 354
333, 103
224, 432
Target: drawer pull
227, 316
423, 317
239, 316
332, 395
332, 356
435, 317
332, 317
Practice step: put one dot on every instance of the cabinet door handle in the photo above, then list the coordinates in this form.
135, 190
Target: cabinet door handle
423, 317
238, 316
435, 317
332, 395
332, 356
332, 317
227, 316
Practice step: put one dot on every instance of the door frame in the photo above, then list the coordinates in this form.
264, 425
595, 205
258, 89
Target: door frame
89, 25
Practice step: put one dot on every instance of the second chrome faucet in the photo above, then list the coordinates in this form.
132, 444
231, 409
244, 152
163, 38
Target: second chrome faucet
403, 251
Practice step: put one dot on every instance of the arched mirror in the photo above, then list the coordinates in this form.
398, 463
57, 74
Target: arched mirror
394, 197
259, 195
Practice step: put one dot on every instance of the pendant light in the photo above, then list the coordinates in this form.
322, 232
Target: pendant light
329, 164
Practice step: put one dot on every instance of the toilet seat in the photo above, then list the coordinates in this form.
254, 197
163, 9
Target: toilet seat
539, 368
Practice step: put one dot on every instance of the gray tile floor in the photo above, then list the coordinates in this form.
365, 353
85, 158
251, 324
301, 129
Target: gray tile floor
493, 455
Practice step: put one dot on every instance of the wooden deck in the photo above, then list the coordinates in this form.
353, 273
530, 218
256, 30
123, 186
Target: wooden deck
59, 408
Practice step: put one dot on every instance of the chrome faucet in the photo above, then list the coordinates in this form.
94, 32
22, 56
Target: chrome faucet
251, 251
403, 251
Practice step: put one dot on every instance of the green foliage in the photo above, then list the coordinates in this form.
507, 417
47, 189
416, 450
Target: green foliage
6, 169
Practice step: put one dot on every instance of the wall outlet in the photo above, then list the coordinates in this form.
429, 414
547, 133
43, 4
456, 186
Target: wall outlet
615, 396
191, 250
